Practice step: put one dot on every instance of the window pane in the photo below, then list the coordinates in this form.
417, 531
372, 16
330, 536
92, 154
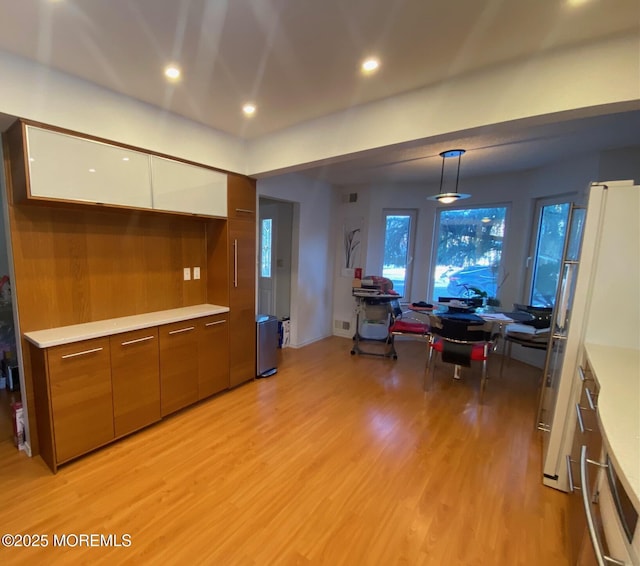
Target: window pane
265, 248
469, 251
396, 250
551, 234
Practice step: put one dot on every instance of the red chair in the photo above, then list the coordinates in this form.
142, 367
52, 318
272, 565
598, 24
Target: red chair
404, 324
460, 340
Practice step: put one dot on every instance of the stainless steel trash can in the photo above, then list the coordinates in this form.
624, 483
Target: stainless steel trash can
267, 352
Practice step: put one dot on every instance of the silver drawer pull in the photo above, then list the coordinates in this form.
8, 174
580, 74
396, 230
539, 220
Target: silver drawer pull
589, 395
601, 558
581, 374
580, 421
182, 330
246, 210
572, 486
215, 322
137, 340
84, 353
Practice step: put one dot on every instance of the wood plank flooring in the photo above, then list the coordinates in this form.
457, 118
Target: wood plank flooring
335, 460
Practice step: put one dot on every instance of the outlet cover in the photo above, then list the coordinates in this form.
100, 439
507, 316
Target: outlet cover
196, 273
187, 273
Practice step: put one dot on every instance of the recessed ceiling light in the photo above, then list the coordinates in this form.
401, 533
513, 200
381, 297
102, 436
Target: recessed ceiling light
125, 159
576, 3
172, 72
370, 65
92, 170
249, 109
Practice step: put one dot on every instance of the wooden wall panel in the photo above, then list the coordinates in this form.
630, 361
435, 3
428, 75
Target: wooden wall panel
78, 266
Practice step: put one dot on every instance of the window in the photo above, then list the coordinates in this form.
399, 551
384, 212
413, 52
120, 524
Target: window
265, 248
398, 248
553, 217
469, 250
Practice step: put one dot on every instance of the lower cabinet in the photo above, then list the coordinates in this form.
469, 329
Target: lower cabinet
90, 392
213, 355
178, 366
81, 397
135, 378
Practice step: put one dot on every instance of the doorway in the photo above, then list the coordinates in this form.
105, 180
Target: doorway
9, 378
275, 230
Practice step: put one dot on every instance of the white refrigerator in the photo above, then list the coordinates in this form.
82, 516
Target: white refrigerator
598, 301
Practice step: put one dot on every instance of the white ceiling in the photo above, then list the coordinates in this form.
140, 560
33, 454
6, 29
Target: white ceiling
299, 60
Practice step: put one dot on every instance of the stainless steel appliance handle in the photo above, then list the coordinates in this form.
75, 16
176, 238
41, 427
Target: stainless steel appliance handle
215, 322
137, 340
601, 558
235, 263
187, 329
83, 353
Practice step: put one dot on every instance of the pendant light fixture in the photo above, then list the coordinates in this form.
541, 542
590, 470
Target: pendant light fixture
448, 198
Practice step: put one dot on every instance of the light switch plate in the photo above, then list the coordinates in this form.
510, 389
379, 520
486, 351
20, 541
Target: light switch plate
196, 273
187, 273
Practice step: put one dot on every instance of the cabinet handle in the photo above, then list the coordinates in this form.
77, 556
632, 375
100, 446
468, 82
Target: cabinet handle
245, 210
235, 263
214, 323
83, 353
601, 558
588, 393
187, 329
581, 374
137, 340
572, 486
580, 421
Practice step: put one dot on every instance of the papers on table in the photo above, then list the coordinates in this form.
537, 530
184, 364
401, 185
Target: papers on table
497, 316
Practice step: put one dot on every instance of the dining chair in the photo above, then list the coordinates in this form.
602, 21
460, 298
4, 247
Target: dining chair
405, 323
531, 330
460, 339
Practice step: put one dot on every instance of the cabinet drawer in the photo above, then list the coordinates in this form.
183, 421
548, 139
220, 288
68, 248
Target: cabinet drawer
178, 365
241, 198
135, 374
81, 397
213, 355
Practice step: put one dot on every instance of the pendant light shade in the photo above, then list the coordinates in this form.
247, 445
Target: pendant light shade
448, 198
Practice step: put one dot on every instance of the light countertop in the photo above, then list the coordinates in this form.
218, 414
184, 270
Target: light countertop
99, 328
618, 373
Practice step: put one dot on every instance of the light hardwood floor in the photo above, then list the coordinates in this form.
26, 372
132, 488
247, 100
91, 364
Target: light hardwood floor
337, 459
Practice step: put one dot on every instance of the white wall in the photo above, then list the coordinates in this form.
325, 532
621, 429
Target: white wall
29, 90
311, 263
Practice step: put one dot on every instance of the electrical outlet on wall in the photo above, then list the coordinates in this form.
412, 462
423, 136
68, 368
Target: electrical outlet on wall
196, 273
187, 273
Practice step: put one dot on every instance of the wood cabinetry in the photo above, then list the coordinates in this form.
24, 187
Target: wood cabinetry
242, 277
178, 366
135, 377
213, 355
79, 379
587, 433
63, 166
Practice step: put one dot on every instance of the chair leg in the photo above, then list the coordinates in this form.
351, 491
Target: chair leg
483, 381
429, 368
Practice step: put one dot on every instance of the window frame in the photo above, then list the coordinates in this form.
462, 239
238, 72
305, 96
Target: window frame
436, 233
412, 213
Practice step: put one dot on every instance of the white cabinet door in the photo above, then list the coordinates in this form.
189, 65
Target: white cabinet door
181, 187
72, 168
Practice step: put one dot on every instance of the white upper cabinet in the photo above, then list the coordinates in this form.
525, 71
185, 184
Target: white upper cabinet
72, 168
182, 187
